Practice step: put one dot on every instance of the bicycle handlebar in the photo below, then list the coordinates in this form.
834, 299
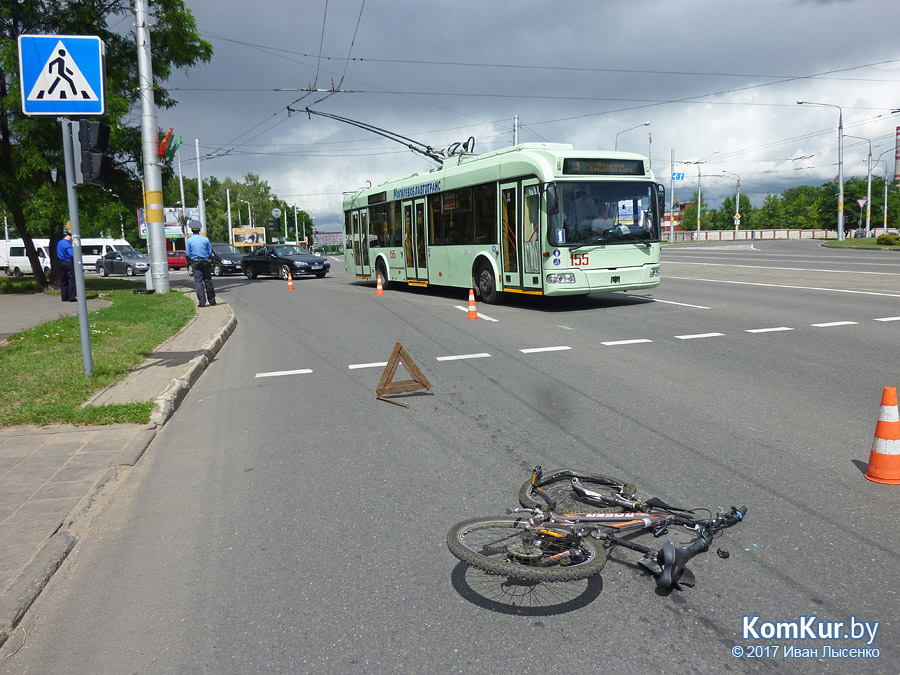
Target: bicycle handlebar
673, 560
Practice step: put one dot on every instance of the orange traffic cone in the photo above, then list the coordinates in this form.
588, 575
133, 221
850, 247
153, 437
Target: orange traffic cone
884, 460
473, 312
290, 282
380, 288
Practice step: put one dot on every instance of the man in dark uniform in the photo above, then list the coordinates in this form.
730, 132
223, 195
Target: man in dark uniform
198, 250
67, 262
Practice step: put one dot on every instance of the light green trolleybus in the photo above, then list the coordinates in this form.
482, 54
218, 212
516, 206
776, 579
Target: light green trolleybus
537, 218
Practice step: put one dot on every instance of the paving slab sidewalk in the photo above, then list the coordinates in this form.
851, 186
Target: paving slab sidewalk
49, 475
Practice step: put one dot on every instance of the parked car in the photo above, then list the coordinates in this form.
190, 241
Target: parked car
225, 259
283, 259
127, 262
176, 259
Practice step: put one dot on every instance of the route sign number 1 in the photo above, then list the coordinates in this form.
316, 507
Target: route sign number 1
62, 75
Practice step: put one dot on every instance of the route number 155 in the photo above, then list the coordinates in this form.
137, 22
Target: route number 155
579, 259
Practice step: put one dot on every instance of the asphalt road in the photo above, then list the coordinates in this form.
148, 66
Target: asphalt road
294, 523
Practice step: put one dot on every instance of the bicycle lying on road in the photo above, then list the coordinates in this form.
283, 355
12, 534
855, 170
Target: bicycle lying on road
568, 522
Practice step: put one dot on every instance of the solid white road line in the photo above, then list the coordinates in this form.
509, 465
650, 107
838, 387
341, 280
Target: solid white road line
801, 288
279, 373
699, 335
834, 323
683, 304
459, 357
624, 342
480, 315
534, 350
382, 364
889, 318
767, 330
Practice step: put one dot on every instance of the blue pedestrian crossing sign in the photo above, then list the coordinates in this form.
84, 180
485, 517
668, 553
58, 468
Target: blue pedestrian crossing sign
62, 75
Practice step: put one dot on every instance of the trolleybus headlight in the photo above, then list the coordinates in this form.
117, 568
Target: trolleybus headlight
561, 278
654, 272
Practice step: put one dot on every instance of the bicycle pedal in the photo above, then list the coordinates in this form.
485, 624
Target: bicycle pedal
651, 566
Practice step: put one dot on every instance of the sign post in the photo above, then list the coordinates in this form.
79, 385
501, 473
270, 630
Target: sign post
65, 76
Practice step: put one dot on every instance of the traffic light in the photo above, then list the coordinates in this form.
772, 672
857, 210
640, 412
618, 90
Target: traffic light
273, 224
92, 165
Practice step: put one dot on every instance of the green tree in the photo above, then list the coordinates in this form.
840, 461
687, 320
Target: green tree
689, 222
771, 214
32, 177
725, 215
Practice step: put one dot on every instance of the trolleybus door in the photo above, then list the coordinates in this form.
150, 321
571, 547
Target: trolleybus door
361, 244
531, 235
415, 238
510, 236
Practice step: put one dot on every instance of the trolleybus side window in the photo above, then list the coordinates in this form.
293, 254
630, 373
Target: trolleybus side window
485, 209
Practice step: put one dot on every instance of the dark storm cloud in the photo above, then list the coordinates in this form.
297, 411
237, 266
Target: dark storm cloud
717, 80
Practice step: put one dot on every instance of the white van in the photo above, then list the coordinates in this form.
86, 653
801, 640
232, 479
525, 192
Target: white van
17, 262
94, 249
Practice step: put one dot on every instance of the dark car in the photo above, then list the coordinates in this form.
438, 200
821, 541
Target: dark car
127, 261
225, 259
176, 259
283, 259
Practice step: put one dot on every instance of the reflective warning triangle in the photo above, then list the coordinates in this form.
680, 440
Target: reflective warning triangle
61, 79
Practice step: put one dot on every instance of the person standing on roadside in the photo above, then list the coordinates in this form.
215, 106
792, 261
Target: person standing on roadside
198, 250
67, 262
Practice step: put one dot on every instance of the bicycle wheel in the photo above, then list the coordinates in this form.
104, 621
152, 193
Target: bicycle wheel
502, 545
558, 486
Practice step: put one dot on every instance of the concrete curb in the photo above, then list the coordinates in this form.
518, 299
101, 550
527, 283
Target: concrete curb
167, 402
29, 583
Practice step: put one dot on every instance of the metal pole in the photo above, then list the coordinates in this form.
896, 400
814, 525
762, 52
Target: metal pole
699, 202
68, 158
884, 228
297, 235
230, 228
840, 223
201, 204
869, 193
153, 198
737, 210
285, 224
672, 201
181, 186
515, 130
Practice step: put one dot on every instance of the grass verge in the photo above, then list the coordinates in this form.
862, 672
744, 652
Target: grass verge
42, 377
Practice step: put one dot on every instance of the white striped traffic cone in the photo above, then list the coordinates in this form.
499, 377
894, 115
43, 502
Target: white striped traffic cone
473, 312
884, 460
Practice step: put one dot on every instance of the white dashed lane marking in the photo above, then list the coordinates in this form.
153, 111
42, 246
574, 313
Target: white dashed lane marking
279, 373
616, 343
777, 329
460, 357
559, 348
535, 350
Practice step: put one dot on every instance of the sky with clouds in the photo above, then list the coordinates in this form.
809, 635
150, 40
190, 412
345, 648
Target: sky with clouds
718, 81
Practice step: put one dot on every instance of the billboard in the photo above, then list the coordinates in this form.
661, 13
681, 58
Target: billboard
249, 236
177, 222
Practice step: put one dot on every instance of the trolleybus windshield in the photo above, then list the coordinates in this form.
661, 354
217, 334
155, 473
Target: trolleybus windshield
604, 213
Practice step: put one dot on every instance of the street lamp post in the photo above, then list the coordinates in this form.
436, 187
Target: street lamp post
868, 185
645, 124
884, 227
840, 221
249, 211
737, 201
